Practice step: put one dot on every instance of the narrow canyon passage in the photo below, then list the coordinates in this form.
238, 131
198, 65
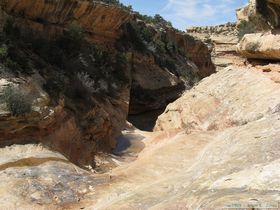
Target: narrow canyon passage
102, 108
145, 121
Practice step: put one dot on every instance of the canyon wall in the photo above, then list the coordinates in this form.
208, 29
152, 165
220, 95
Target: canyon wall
262, 41
222, 40
94, 63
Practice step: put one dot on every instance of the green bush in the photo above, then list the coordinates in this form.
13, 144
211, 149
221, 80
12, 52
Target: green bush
72, 39
160, 46
3, 4
18, 101
245, 27
3, 52
120, 69
253, 46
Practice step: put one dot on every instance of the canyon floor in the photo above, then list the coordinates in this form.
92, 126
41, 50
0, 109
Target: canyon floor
213, 142
229, 156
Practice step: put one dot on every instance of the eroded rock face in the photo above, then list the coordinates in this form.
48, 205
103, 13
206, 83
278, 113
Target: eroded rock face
33, 177
263, 14
222, 41
50, 17
228, 102
99, 116
260, 46
204, 170
106, 25
220, 147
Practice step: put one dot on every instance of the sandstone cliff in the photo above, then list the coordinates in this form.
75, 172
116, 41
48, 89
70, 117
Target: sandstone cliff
226, 152
94, 63
263, 14
66, 91
262, 17
222, 40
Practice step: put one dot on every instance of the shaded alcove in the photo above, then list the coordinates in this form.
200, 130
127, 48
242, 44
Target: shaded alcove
145, 121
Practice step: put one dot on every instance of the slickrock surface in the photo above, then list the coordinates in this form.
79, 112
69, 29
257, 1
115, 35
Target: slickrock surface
235, 161
33, 177
220, 147
226, 99
215, 147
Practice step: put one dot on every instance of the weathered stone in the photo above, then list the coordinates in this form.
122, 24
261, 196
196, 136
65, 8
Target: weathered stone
225, 99
260, 46
222, 41
263, 14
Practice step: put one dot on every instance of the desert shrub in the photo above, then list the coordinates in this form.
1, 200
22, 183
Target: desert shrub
18, 101
146, 34
101, 56
253, 46
160, 20
49, 51
10, 30
245, 27
120, 69
55, 85
160, 46
86, 81
57, 51
166, 62
3, 4
134, 36
3, 52
157, 19
72, 39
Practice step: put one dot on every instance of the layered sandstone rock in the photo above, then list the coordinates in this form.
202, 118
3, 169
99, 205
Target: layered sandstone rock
220, 147
231, 101
67, 132
49, 18
262, 17
222, 41
107, 28
260, 46
88, 103
262, 14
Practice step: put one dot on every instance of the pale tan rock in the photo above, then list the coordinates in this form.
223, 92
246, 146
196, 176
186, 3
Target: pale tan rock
260, 46
261, 14
234, 162
225, 99
33, 177
222, 40
205, 170
101, 20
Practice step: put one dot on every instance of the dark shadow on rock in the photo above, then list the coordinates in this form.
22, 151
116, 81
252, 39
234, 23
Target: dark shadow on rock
145, 121
129, 143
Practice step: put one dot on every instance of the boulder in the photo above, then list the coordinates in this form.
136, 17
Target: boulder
260, 46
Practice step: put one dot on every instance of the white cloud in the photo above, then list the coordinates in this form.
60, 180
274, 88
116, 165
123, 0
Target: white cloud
197, 11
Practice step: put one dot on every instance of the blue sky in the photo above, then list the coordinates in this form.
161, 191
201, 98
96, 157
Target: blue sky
186, 13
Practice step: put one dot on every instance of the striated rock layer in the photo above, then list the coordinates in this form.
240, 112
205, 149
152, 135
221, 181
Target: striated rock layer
263, 14
48, 18
222, 40
260, 46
